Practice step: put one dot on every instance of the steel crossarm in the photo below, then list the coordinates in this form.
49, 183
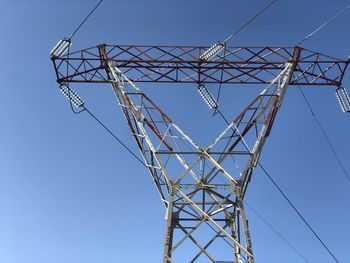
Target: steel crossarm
182, 64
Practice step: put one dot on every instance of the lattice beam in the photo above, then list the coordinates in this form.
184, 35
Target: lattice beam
181, 64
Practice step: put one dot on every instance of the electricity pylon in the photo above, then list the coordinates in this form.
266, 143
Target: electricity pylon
202, 187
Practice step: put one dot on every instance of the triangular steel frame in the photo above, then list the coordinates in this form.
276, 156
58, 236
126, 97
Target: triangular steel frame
197, 185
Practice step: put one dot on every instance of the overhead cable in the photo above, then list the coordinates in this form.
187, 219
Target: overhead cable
324, 24
249, 21
115, 137
334, 152
86, 18
298, 213
283, 194
323, 131
276, 232
325, 135
75, 99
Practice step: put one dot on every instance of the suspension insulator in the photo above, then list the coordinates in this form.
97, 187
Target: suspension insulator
71, 96
343, 99
61, 48
207, 97
212, 51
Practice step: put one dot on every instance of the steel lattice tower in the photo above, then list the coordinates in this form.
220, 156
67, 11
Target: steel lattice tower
201, 189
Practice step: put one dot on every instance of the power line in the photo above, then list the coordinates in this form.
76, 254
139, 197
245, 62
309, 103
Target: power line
227, 39
221, 78
325, 135
232, 36
276, 232
86, 18
309, 104
323, 131
284, 195
297, 211
114, 136
249, 21
324, 24
84, 108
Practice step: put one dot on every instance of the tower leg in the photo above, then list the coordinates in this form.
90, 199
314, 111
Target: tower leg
169, 231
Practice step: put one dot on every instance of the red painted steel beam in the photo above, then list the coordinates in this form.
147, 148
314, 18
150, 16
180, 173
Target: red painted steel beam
181, 64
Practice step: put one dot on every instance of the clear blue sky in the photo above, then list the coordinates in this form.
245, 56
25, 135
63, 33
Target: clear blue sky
70, 194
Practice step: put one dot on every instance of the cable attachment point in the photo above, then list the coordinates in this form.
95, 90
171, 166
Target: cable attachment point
71, 96
212, 51
61, 48
343, 99
207, 97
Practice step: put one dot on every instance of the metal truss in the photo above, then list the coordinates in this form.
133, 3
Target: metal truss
173, 64
202, 187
